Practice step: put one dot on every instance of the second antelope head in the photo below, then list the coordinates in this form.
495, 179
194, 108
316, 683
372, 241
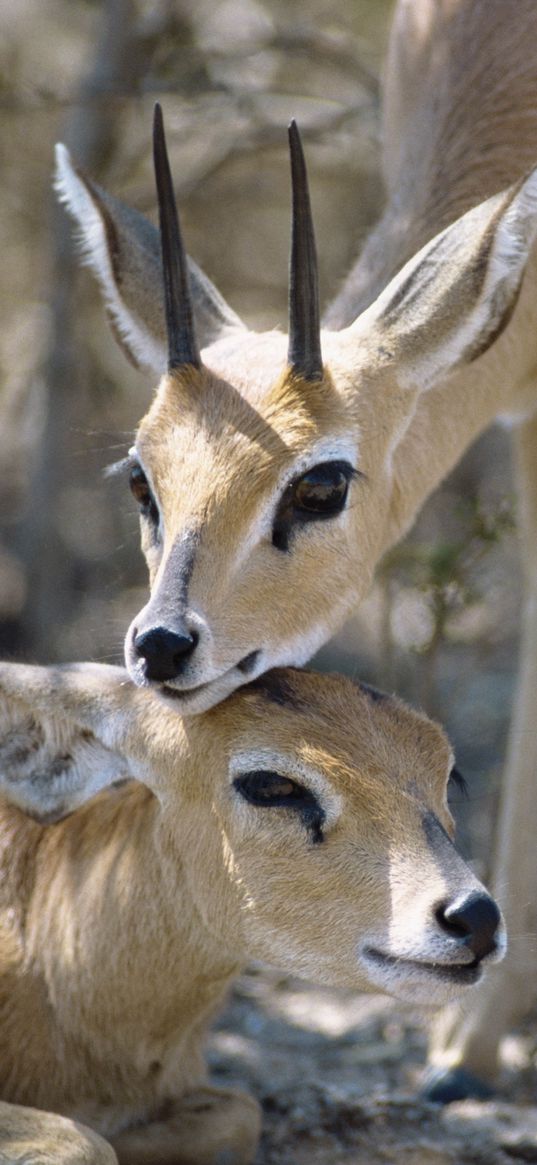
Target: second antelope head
321, 802
264, 469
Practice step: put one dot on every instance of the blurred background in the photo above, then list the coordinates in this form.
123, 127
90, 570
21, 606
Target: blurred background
440, 626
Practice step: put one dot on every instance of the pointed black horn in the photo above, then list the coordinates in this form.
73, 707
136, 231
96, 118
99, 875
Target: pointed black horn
182, 343
304, 322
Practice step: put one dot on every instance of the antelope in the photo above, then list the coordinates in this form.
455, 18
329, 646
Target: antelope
303, 821
272, 473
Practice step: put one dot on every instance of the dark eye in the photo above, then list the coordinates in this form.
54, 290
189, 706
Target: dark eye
268, 790
323, 490
320, 493
139, 487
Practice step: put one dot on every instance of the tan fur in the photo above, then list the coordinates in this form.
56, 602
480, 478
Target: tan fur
43, 1138
417, 362
220, 445
122, 925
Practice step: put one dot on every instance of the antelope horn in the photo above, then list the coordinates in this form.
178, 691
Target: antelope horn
182, 343
304, 353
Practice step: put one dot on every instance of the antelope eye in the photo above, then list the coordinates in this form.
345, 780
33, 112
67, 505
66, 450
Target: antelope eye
458, 782
269, 789
319, 494
139, 487
323, 489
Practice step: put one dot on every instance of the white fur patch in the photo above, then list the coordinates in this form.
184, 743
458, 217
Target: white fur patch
74, 194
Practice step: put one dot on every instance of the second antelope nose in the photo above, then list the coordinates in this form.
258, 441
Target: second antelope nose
474, 919
164, 652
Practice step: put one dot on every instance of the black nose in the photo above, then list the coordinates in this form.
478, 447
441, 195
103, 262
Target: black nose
164, 652
473, 919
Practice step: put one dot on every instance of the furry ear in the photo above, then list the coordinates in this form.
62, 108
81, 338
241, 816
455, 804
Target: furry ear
123, 250
451, 301
56, 736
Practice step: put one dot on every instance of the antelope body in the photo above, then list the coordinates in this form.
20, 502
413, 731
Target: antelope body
303, 821
272, 475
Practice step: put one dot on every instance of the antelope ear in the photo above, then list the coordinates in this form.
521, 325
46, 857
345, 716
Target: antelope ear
454, 298
122, 247
57, 746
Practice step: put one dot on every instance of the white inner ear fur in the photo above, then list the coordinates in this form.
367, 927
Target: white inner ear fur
296, 770
91, 237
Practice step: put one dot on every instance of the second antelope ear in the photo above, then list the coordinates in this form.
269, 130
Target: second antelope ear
122, 247
50, 760
454, 298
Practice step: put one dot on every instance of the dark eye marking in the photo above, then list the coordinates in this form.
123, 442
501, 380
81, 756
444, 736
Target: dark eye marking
276, 686
269, 790
141, 491
316, 495
458, 782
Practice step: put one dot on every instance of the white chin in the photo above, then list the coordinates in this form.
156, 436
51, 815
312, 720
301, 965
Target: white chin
418, 981
193, 701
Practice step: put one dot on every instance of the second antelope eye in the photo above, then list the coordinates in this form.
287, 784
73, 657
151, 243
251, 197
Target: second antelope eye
139, 487
268, 789
319, 494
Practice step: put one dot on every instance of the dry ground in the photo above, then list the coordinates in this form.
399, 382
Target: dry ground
338, 1076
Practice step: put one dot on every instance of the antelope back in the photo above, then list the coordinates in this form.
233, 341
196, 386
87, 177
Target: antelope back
322, 805
459, 124
264, 467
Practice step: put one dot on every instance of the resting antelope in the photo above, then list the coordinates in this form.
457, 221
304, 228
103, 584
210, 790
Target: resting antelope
273, 473
303, 822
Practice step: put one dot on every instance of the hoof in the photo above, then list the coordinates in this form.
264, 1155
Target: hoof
445, 1085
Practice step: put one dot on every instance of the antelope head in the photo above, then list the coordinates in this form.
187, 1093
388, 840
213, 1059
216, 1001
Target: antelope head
322, 802
264, 469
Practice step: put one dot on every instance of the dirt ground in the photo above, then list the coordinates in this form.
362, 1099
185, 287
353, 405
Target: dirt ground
338, 1076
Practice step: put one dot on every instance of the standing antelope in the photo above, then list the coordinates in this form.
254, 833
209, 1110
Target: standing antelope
302, 821
272, 474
